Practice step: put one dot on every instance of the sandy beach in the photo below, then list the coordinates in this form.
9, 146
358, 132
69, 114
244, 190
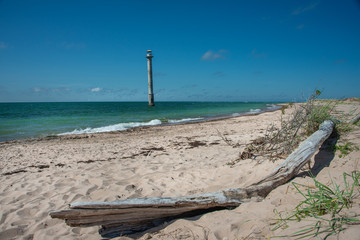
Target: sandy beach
47, 174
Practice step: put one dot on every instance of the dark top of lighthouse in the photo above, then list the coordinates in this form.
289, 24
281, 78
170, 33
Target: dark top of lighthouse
149, 54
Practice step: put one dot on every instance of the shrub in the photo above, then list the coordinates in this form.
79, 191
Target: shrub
304, 120
316, 116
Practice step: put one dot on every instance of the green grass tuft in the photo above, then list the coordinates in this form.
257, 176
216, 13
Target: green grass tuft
345, 149
324, 206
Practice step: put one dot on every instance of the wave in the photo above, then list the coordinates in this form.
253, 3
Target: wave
185, 120
269, 107
124, 126
115, 127
255, 110
272, 107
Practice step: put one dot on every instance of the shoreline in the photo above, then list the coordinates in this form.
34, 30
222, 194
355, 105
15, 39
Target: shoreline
175, 160
42, 175
137, 134
276, 107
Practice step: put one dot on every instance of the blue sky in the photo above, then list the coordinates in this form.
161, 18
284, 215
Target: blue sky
203, 50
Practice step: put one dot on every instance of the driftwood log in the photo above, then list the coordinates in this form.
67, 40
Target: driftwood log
355, 119
131, 215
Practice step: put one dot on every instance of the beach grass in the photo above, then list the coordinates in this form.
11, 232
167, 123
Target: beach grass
345, 149
280, 141
323, 207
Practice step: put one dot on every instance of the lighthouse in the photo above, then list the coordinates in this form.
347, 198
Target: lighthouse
149, 57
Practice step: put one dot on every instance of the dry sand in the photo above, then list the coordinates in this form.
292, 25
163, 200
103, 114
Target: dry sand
38, 176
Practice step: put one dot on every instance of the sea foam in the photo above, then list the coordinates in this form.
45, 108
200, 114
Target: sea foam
185, 120
115, 127
255, 110
272, 107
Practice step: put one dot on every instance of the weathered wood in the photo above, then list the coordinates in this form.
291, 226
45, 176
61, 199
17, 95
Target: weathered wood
92, 213
134, 214
156, 202
355, 119
294, 162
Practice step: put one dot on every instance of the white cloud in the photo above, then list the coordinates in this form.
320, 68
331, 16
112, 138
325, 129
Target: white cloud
50, 90
97, 89
304, 9
211, 56
3, 45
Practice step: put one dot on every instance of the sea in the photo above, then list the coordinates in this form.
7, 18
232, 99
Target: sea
42, 119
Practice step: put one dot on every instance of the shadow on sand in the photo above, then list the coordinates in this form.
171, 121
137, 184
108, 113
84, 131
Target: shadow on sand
322, 160
324, 157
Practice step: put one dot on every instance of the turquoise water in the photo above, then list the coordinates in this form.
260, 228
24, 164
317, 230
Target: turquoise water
34, 120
